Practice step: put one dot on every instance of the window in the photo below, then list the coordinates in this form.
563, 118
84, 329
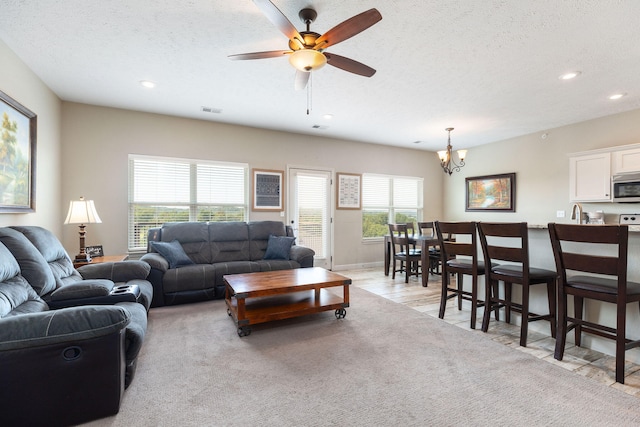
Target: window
168, 190
389, 199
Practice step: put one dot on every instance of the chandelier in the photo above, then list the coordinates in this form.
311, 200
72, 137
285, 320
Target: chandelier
446, 157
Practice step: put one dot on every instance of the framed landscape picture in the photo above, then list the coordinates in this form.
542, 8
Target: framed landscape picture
267, 190
491, 193
17, 156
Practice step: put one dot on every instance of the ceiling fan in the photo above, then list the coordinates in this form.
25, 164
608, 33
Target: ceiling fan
306, 48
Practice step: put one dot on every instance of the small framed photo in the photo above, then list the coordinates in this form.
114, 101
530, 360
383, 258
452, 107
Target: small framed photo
267, 190
94, 251
491, 193
349, 191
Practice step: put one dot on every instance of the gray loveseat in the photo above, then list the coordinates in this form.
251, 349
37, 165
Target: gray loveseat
69, 339
209, 250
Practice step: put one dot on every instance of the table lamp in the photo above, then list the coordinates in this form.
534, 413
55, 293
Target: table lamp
82, 212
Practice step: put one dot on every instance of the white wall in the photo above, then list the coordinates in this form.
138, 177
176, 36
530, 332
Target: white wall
17, 81
98, 140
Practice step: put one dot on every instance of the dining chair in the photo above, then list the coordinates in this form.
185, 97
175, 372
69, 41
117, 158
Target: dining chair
460, 257
402, 251
509, 242
427, 229
580, 252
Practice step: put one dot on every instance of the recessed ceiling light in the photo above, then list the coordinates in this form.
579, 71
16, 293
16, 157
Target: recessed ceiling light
328, 116
417, 142
148, 84
617, 96
569, 76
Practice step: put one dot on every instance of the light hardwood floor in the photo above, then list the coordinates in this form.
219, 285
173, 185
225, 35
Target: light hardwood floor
597, 366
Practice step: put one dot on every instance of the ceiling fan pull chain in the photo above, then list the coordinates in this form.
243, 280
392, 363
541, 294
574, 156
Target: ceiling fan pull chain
309, 93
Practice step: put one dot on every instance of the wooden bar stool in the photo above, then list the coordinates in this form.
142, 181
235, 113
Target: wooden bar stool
588, 254
509, 242
452, 264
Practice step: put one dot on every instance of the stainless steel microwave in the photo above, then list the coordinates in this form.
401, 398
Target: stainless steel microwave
626, 188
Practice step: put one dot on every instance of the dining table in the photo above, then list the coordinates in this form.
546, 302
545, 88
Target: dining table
421, 241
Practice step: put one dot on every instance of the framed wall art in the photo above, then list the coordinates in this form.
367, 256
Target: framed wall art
267, 190
18, 128
349, 191
491, 193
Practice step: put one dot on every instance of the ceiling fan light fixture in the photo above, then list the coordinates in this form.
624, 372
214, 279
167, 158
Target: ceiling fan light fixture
307, 60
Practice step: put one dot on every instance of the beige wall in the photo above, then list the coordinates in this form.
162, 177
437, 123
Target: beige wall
17, 81
97, 142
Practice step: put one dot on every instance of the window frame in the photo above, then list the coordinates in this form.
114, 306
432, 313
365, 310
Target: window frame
391, 208
192, 205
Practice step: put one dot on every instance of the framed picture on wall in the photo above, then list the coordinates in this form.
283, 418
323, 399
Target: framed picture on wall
267, 190
18, 127
349, 191
491, 193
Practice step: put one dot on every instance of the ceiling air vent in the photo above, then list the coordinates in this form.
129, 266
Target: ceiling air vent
320, 127
211, 110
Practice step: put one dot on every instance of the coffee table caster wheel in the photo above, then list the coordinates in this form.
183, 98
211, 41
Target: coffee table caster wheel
244, 331
228, 312
340, 313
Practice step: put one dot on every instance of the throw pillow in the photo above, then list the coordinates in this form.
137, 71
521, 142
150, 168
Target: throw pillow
278, 247
173, 253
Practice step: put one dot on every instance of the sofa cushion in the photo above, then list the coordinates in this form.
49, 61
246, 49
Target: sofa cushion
33, 266
16, 295
229, 241
278, 247
83, 289
189, 278
53, 252
259, 232
193, 236
173, 253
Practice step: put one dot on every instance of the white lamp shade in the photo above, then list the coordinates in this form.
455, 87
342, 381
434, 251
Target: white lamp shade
462, 154
443, 155
307, 60
82, 212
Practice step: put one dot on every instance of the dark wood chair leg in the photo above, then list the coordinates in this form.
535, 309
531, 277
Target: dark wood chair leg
507, 297
524, 323
459, 287
474, 301
443, 295
578, 304
551, 296
561, 334
620, 342
488, 304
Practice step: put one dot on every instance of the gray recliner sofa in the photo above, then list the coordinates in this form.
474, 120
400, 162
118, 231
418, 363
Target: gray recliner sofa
69, 339
213, 249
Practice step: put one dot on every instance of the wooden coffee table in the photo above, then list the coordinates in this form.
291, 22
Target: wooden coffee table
253, 298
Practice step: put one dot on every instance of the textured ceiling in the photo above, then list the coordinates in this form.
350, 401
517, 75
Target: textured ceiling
487, 68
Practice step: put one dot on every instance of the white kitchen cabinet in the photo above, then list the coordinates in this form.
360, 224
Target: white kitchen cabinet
590, 178
626, 161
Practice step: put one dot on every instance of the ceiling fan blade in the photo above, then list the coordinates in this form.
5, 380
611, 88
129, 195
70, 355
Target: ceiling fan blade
349, 65
278, 19
260, 55
302, 78
348, 28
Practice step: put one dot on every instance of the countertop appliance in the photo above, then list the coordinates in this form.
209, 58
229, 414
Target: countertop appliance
626, 188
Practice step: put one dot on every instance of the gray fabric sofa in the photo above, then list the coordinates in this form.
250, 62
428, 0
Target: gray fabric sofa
69, 339
213, 250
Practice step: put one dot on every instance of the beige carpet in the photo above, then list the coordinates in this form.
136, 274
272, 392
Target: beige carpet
383, 365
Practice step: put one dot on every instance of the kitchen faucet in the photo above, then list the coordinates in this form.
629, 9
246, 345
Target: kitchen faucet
576, 212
